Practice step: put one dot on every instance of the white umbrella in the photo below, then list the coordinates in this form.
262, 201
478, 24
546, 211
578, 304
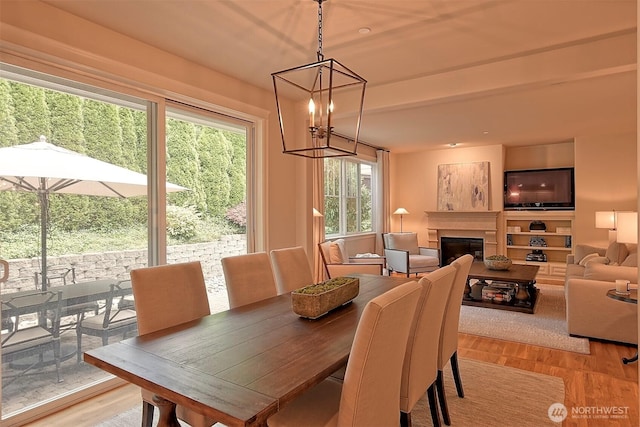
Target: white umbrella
44, 168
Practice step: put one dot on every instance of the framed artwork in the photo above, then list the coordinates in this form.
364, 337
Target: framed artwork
463, 187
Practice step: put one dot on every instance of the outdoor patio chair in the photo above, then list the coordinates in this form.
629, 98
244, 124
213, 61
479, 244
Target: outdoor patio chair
113, 321
154, 291
36, 332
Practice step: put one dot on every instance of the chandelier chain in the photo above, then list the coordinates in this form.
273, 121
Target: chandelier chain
320, 54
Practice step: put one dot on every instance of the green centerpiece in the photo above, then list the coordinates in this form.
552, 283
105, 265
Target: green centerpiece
316, 300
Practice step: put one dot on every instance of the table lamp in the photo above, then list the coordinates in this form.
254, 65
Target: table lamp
607, 219
401, 212
627, 227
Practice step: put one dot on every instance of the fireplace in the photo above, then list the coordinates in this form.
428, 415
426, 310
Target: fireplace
454, 247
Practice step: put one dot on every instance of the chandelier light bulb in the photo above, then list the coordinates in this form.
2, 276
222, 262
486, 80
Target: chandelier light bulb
312, 112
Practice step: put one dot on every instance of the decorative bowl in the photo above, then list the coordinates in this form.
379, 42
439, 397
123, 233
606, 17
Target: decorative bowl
497, 262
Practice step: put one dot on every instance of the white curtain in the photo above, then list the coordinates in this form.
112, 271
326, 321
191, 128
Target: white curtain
318, 221
383, 225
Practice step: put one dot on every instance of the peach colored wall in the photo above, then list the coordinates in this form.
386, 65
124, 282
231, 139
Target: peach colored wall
59, 42
606, 179
413, 178
539, 156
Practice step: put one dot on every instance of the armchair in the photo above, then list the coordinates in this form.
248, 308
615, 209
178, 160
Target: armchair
405, 256
337, 263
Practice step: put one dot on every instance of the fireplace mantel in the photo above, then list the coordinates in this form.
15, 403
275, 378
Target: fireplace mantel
483, 224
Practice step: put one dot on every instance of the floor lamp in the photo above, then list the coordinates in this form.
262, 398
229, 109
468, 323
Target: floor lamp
401, 212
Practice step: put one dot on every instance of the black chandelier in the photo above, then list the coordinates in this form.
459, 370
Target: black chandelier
328, 91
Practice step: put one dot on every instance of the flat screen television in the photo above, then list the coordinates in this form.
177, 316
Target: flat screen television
539, 189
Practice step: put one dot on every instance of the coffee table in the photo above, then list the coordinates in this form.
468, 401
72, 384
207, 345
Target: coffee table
522, 276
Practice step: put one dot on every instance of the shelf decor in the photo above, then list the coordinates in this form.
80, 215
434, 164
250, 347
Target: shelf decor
316, 300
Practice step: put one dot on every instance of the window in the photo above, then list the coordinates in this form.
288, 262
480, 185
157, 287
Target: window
348, 196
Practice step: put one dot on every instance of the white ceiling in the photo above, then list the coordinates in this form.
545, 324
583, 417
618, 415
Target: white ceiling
472, 72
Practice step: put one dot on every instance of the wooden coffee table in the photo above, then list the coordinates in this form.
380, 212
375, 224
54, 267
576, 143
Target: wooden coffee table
523, 277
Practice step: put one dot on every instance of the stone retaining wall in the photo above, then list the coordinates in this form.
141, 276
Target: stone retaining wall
117, 264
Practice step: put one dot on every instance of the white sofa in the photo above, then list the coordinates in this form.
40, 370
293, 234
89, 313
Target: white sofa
590, 313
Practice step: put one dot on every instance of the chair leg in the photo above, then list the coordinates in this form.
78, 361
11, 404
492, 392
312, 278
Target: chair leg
456, 374
56, 357
433, 405
405, 419
78, 342
147, 414
442, 398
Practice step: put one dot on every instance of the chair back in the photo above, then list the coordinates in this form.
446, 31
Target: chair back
371, 389
421, 359
249, 278
44, 304
291, 269
117, 313
169, 295
402, 241
451, 319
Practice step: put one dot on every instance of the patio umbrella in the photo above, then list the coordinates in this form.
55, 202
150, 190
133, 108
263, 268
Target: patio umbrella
44, 168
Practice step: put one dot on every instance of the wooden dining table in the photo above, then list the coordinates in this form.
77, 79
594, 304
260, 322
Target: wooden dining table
241, 365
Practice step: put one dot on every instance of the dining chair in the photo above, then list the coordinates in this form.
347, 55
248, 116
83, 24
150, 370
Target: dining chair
165, 296
420, 368
448, 348
291, 269
114, 320
26, 340
249, 278
370, 393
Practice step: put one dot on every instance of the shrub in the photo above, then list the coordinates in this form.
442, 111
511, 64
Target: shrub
238, 214
182, 222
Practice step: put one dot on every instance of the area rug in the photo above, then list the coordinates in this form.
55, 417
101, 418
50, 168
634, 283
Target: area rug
547, 327
494, 396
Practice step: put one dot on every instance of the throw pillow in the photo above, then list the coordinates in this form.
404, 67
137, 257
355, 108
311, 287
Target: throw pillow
598, 260
631, 260
588, 258
584, 250
616, 252
335, 255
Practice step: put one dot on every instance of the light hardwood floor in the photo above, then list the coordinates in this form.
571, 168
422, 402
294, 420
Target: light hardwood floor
597, 380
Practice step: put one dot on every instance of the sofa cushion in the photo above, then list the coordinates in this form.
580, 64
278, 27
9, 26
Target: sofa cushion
404, 241
631, 260
584, 250
610, 273
616, 252
588, 258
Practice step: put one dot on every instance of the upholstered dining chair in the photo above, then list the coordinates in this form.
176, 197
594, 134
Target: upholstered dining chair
370, 393
291, 269
165, 296
405, 256
337, 262
420, 368
249, 278
448, 348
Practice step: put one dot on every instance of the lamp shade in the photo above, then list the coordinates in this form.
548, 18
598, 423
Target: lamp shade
627, 225
606, 219
401, 211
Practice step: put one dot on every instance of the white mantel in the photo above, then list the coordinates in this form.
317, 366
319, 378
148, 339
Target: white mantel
476, 224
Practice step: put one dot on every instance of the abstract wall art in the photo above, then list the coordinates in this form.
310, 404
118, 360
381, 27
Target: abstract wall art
463, 187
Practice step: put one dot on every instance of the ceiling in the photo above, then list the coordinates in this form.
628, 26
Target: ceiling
469, 72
